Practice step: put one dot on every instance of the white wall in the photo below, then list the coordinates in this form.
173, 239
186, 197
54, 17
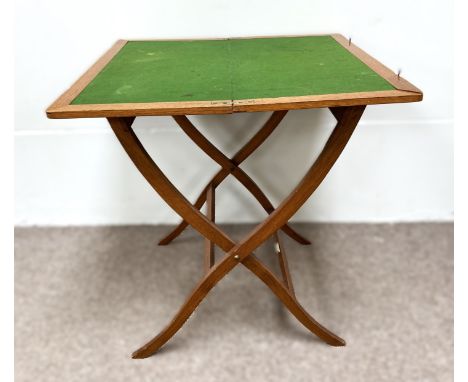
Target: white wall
397, 166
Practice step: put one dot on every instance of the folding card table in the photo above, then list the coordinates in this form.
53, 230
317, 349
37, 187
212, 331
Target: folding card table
186, 77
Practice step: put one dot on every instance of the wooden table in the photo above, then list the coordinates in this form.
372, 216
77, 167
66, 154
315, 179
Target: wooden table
223, 76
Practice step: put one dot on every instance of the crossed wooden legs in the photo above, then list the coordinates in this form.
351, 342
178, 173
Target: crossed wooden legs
241, 252
231, 166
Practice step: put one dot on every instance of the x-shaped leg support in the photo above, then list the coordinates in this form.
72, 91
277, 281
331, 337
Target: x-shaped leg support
241, 252
231, 166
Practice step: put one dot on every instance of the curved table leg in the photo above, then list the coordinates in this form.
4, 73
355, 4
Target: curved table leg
230, 166
211, 279
241, 252
289, 300
215, 181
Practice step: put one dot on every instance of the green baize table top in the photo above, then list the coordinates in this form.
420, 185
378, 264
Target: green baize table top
229, 69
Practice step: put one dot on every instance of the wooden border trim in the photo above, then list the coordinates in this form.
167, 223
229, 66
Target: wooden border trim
140, 109
61, 108
383, 71
228, 107
86, 78
326, 100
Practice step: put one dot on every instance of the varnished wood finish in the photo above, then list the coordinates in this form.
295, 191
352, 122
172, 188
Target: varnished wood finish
347, 108
140, 109
240, 252
210, 214
283, 262
54, 110
337, 112
325, 100
162, 185
322, 165
246, 150
397, 82
290, 302
231, 167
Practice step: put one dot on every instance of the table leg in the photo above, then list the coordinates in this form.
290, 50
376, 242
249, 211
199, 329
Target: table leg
231, 166
210, 214
283, 261
241, 252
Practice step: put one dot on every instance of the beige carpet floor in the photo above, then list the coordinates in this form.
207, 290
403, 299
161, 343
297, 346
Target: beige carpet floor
86, 297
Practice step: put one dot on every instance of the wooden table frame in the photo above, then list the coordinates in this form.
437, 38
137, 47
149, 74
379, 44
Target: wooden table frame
242, 252
347, 108
404, 92
231, 166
